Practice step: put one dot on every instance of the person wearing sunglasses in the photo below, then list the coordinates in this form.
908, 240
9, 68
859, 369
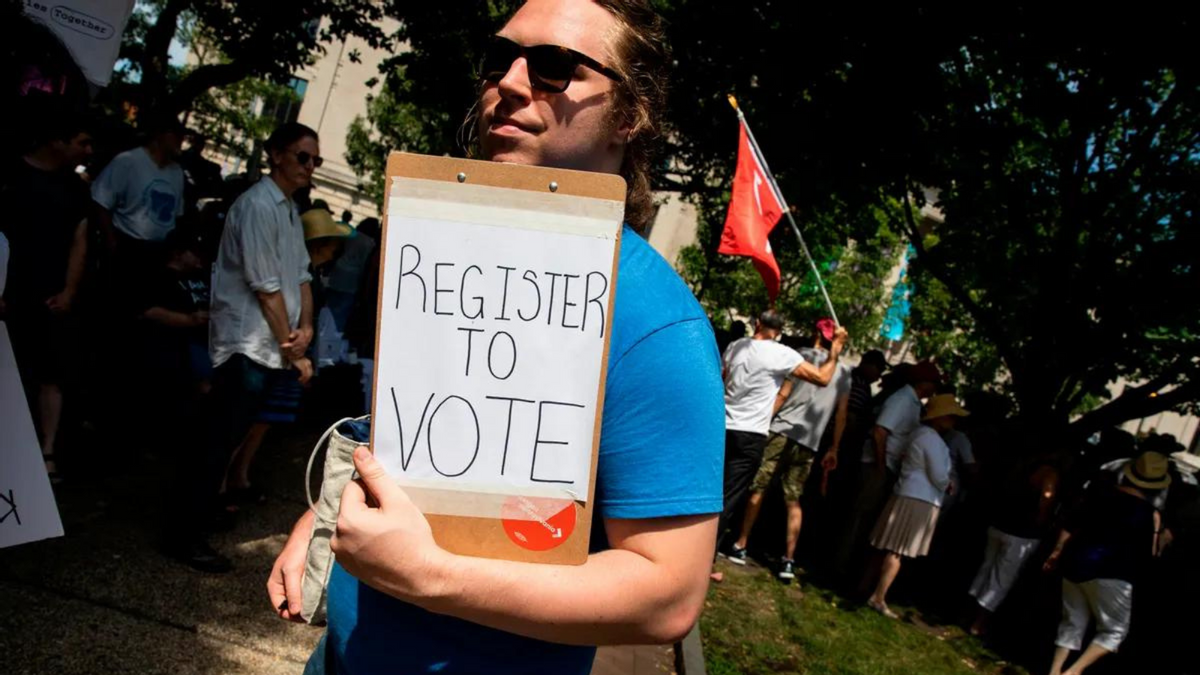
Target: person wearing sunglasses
575, 84
260, 327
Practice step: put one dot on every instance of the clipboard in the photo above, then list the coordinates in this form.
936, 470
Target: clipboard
546, 524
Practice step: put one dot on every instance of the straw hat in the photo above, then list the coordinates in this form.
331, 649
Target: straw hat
943, 405
319, 224
1148, 471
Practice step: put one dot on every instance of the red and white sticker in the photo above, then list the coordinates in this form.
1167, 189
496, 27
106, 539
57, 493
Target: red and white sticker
538, 523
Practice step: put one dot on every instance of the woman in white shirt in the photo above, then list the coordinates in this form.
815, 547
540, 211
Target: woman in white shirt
906, 526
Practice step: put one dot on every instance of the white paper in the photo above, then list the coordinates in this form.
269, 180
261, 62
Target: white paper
27, 508
459, 301
91, 30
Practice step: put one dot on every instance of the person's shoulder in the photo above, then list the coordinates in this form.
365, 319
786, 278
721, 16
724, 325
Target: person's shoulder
254, 198
783, 350
241, 210
650, 296
931, 439
741, 342
895, 398
129, 157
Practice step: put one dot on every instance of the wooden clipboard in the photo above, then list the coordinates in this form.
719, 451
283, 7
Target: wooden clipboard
495, 537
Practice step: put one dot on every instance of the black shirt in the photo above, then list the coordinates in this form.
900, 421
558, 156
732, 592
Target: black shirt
1112, 537
177, 291
44, 208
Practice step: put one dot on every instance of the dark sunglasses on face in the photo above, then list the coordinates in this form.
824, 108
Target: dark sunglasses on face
304, 158
550, 67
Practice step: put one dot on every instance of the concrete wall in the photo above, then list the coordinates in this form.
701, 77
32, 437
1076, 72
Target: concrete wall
674, 227
337, 93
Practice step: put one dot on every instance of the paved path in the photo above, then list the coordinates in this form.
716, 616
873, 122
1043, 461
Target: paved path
102, 600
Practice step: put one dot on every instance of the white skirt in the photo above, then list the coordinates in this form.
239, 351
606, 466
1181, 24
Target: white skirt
905, 527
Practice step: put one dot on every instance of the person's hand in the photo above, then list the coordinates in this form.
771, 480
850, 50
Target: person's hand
306, 369
1165, 537
1052, 562
297, 343
284, 584
200, 318
840, 336
388, 546
61, 303
950, 489
830, 461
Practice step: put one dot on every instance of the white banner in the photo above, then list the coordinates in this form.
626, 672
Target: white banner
491, 338
91, 29
27, 508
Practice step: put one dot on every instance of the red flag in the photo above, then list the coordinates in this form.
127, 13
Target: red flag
753, 213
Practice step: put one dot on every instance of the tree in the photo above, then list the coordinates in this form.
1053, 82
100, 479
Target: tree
427, 88
1062, 154
1058, 152
265, 40
854, 273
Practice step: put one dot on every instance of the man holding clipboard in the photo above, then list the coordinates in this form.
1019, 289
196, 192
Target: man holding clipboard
572, 84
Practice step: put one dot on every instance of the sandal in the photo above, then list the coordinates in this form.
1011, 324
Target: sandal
883, 609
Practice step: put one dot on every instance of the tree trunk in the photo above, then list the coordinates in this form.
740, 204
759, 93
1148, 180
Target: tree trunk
155, 60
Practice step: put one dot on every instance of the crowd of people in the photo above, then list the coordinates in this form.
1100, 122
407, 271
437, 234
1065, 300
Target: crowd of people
207, 303
909, 473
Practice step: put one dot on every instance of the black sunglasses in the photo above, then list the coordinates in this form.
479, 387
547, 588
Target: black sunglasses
304, 158
551, 67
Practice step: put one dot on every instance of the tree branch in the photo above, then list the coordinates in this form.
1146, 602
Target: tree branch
1134, 404
154, 57
940, 273
204, 78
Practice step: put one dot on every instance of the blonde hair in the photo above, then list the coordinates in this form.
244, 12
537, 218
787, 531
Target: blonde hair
642, 58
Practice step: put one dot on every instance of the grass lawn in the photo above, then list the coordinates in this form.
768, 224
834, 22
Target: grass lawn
752, 625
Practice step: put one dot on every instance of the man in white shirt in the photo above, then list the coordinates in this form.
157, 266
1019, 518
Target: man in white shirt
754, 371
260, 326
803, 410
140, 195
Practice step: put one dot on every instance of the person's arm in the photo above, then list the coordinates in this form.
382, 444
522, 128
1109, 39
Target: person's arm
648, 589
830, 461
283, 586
261, 267
275, 312
107, 196
824, 375
62, 302
879, 438
171, 319
1156, 550
299, 340
937, 467
108, 232
1052, 561
784, 392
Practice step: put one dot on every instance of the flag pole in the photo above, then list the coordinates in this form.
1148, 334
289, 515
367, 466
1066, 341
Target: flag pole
786, 210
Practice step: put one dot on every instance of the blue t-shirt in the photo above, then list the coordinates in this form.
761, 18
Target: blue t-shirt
661, 455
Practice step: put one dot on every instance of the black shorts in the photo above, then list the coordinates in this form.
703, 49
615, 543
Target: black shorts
45, 346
